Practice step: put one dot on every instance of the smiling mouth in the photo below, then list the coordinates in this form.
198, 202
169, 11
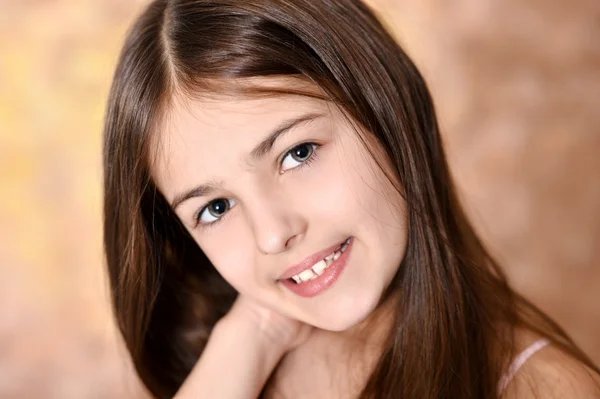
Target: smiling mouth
321, 266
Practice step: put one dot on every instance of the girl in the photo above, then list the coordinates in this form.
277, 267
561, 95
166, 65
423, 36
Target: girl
280, 220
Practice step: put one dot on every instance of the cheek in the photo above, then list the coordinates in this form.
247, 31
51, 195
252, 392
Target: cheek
330, 200
328, 193
373, 202
227, 252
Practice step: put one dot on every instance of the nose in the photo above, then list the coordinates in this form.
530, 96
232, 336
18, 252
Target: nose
277, 227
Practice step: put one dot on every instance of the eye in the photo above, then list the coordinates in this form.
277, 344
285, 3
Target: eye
214, 211
297, 156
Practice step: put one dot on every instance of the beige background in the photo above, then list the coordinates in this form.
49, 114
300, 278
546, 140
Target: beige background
517, 86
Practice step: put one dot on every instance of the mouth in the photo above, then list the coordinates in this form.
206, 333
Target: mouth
321, 266
320, 273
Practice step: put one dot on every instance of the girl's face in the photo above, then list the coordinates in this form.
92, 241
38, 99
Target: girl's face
268, 188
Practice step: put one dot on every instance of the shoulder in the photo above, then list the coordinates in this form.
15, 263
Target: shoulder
553, 373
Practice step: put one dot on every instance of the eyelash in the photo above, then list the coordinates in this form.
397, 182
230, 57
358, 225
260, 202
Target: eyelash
313, 156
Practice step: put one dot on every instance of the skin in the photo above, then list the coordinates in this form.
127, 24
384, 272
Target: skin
282, 209
281, 213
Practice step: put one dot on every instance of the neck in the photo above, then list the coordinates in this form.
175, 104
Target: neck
338, 361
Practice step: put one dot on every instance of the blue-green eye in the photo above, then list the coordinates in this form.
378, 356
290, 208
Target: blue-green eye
297, 156
214, 210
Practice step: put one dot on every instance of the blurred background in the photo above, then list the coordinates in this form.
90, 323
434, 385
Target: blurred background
517, 88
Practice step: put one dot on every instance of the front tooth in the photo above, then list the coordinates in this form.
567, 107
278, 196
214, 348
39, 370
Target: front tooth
306, 275
319, 267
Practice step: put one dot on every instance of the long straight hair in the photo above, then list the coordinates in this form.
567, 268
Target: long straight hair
452, 336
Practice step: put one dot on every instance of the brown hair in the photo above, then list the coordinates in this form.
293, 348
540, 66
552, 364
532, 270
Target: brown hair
448, 339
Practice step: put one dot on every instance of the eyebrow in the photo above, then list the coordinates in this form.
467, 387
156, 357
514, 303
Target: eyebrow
259, 152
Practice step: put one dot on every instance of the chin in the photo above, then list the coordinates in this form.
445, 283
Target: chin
346, 314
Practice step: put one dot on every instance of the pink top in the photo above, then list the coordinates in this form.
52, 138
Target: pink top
520, 361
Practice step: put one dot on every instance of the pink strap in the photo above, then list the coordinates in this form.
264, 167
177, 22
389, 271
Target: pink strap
520, 361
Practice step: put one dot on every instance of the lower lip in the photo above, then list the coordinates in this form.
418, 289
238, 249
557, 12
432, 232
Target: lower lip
315, 287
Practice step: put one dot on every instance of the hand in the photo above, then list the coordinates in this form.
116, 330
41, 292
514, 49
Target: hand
245, 346
280, 330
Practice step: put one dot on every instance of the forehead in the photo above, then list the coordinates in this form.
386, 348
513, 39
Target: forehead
228, 106
239, 117
208, 138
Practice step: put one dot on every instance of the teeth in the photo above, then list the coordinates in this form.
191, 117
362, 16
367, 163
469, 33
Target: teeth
306, 275
345, 246
318, 268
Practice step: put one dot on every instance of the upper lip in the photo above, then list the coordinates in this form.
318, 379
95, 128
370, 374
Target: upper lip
309, 261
